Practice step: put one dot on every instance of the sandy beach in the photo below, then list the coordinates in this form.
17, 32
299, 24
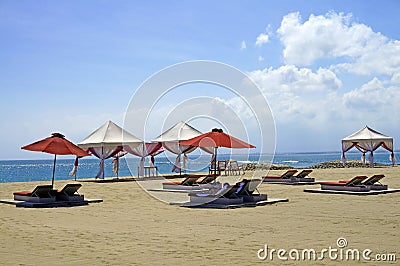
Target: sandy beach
132, 228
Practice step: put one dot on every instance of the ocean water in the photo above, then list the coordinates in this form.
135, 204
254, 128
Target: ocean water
41, 170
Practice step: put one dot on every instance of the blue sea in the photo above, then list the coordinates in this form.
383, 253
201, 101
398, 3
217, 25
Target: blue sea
41, 170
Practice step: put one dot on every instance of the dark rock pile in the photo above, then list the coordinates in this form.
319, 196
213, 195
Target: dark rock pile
325, 165
349, 164
265, 166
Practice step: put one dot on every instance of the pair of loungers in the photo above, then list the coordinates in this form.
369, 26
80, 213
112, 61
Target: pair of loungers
356, 184
241, 192
290, 177
46, 194
190, 182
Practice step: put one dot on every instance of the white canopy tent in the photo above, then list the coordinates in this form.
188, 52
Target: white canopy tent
143, 150
107, 141
367, 140
170, 141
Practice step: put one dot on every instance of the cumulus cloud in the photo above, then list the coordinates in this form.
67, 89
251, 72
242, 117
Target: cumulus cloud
303, 98
337, 36
373, 96
292, 78
260, 58
263, 38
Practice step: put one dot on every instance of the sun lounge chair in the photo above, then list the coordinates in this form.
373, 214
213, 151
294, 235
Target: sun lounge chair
187, 184
227, 195
42, 194
188, 181
285, 177
207, 179
248, 191
302, 176
354, 184
374, 184
70, 193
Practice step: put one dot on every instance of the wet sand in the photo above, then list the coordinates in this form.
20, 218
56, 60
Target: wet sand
132, 228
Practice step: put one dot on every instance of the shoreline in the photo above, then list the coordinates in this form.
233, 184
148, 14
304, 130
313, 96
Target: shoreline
246, 166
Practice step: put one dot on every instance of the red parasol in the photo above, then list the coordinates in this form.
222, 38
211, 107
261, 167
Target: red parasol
216, 138
56, 144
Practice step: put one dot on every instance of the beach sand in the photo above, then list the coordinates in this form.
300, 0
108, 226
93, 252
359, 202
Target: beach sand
132, 228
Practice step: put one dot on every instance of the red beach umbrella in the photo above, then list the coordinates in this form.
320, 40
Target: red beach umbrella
56, 144
216, 138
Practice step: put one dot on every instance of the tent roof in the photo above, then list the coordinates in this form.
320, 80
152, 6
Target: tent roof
180, 131
109, 134
366, 133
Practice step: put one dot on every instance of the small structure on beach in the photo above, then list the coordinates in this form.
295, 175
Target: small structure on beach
170, 140
107, 141
367, 140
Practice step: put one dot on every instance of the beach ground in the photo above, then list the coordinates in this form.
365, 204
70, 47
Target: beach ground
132, 228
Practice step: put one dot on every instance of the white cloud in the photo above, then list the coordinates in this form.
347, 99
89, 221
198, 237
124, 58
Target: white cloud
375, 97
243, 46
291, 78
311, 105
337, 36
263, 38
260, 58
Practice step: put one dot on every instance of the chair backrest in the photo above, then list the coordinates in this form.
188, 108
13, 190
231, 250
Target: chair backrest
42, 191
241, 190
222, 165
222, 190
234, 165
232, 190
303, 173
252, 186
356, 180
70, 189
373, 179
208, 179
189, 181
289, 173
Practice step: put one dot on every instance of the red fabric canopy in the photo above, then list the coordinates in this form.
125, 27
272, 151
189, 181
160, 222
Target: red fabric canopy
56, 144
216, 139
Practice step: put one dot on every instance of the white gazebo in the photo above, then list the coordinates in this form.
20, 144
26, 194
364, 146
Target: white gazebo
367, 140
107, 141
170, 141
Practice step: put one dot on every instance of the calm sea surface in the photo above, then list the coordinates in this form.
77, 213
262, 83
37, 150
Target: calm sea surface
41, 170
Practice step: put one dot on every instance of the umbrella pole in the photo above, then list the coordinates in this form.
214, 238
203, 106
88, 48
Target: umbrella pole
54, 170
215, 161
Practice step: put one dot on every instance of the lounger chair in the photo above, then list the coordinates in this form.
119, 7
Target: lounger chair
285, 177
248, 191
188, 183
42, 194
374, 184
304, 173
354, 184
70, 193
207, 179
302, 176
226, 195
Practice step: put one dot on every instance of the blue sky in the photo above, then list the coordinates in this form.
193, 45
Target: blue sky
327, 68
